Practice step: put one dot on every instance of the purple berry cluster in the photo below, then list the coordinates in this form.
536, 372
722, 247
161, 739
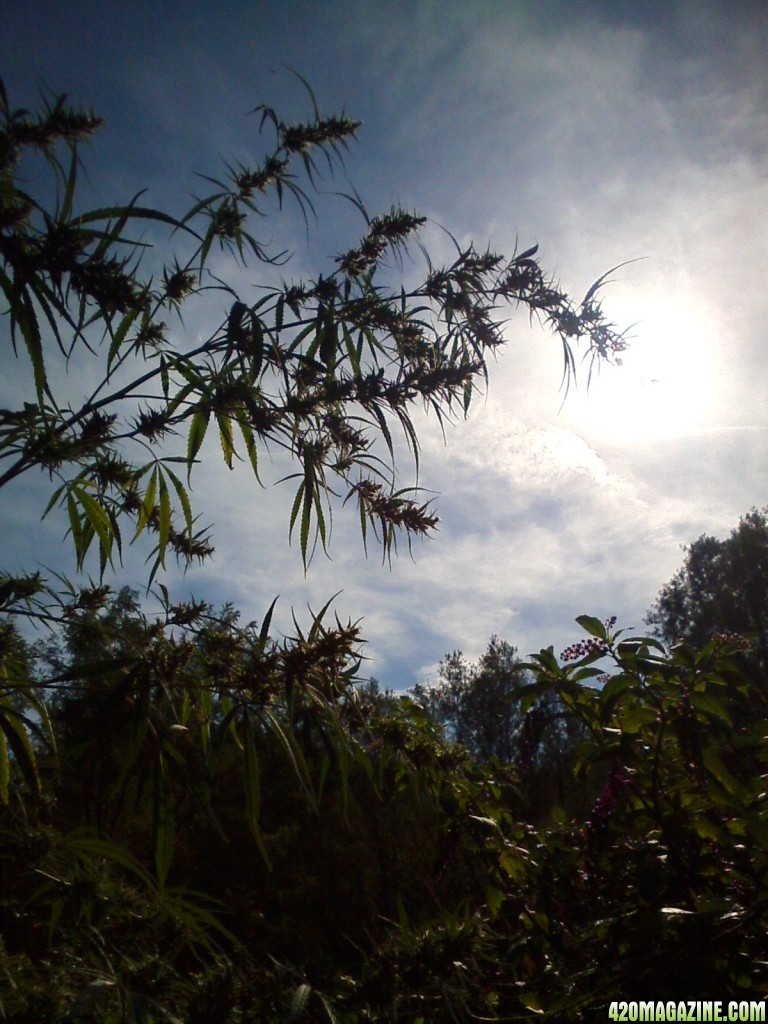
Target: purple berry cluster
584, 647
606, 802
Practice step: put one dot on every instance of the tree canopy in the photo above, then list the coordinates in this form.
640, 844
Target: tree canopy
721, 588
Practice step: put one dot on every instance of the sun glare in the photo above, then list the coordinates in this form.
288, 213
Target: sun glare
664, 387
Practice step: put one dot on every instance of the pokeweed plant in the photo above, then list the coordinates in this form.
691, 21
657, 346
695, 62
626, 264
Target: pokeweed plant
665, 882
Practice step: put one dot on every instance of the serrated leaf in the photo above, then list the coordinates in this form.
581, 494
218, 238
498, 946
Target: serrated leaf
197, 429
295, 755
119, 335
76, 527
148, 504
98, 520
164, 520
95, 846
328, 340
20, 744
225, 437
27, 320
295, 509
183, 499
264, 631
306, 516
352, 352
250, 442
384, 429
299, 1001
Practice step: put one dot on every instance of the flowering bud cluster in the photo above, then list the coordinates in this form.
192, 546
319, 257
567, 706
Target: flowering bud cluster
584, 647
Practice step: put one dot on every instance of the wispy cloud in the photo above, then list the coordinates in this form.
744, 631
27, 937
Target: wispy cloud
605, 131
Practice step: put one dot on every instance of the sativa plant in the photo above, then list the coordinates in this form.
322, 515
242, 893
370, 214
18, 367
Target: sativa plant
108, 754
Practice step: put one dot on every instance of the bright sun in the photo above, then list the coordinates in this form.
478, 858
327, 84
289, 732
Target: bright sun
665, 386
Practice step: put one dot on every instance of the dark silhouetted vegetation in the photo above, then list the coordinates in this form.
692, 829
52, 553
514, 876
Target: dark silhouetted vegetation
202, 823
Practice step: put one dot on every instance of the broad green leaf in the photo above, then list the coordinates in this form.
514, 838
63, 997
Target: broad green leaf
709, 704
632, 720
592, 625
715, 766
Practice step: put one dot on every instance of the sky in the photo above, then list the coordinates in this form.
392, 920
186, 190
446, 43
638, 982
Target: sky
604, 132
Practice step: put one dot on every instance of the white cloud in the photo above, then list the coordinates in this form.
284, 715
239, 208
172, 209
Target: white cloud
604, 137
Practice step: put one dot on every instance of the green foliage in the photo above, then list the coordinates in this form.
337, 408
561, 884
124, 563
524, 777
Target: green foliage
479, 706
204, 824
664, 884
722, 589
380, 873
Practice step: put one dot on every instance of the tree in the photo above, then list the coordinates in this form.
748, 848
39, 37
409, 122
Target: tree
479, 706
722, 588
474, 704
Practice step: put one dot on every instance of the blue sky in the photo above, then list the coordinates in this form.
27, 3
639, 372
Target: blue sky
603, 131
